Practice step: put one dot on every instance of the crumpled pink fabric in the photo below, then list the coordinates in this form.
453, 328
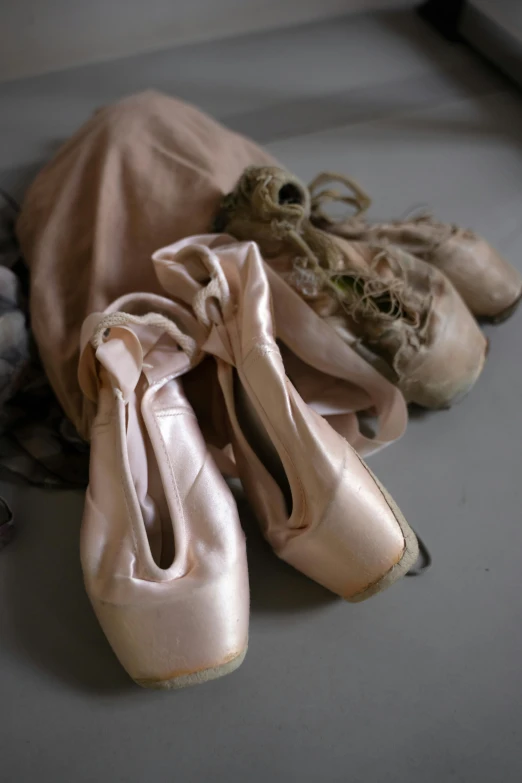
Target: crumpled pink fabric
138, 175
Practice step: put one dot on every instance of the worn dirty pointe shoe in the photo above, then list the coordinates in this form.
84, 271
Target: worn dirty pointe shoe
400, 308
162, 550
319, 505
489, 285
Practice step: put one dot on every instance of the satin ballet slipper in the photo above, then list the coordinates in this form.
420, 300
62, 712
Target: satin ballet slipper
332, 377
319, 505
403, 310
162, 550
489, 285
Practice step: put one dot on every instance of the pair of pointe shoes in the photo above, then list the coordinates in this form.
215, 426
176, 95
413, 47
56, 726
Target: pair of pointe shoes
162, 549
407, 291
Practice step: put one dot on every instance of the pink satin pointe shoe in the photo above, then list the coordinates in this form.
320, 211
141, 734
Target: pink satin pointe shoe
489, 285
403, 310
162, 550
319, 505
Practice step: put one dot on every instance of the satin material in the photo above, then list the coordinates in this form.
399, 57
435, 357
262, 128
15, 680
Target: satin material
156, 492
331, 376
328, 373
318, 504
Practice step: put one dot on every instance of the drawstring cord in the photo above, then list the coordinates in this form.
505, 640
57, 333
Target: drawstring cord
186, 343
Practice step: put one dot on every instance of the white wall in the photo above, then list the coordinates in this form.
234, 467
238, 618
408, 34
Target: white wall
45, 35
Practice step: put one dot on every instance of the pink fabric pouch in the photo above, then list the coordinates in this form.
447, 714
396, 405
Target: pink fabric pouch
140, 174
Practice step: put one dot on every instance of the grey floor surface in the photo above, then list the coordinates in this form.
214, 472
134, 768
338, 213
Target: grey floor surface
422, 683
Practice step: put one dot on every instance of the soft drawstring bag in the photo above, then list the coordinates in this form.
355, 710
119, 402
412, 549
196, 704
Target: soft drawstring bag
138, 175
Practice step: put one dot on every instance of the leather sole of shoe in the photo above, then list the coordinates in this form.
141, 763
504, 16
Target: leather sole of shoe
186, 679
402, 566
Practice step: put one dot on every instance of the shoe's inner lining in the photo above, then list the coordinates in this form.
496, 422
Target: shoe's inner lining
147, 480
291, 194
161, 540
260, 442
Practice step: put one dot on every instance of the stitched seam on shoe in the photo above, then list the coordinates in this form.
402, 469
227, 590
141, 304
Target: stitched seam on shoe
259, 350
378, 485
163, 413
106, 420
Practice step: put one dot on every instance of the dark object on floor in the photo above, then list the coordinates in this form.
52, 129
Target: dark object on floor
37, 443
6, 524
493, 30
444, 15
424, 560
496, 34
